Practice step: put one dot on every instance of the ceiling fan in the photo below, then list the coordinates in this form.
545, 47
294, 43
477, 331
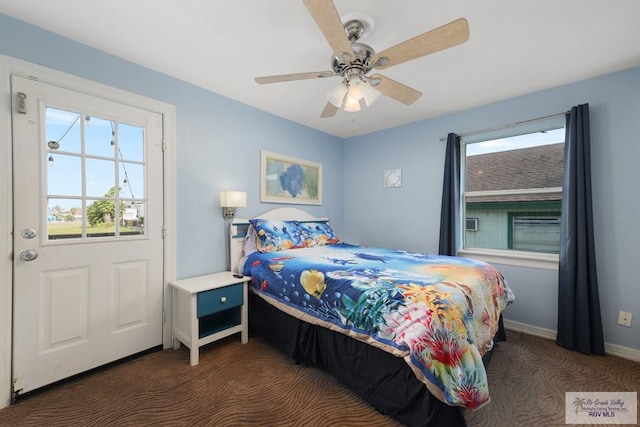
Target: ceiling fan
353, 61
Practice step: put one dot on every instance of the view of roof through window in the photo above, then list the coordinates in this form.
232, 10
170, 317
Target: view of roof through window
513, 192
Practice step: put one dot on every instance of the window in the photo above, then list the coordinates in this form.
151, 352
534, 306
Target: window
512, 192
95, 176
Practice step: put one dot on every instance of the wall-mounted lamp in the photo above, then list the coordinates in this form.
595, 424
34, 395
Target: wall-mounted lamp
230, 200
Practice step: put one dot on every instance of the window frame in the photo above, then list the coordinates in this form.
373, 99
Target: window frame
504, 256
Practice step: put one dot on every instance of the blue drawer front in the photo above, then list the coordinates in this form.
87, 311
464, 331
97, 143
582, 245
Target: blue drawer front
216, 300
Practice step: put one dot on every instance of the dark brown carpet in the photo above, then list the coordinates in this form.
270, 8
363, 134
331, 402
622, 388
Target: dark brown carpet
253, 384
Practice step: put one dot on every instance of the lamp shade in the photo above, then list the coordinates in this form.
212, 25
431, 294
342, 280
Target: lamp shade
370, 94
356, 88
336, 96
351, 105
233, 199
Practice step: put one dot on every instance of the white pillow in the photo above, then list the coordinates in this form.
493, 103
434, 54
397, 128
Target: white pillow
250, 241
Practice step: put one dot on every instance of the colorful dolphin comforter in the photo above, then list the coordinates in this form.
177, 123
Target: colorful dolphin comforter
439, 313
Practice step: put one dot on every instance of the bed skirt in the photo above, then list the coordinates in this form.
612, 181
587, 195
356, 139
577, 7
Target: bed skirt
384, 381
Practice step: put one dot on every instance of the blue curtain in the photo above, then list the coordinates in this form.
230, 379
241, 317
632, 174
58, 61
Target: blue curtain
450, 211
579, 319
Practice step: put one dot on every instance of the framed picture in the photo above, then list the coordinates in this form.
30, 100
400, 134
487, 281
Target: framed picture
285, 179
393, 178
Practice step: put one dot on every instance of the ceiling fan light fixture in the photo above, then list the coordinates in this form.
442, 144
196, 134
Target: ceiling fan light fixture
336, 95
351, 105
356, 88
360, 89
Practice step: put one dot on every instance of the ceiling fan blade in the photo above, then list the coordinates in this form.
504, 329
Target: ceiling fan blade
393, 89
446, 36
330, 110
326, 16
296, 76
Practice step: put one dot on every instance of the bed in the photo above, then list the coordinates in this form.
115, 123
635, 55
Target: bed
410, 333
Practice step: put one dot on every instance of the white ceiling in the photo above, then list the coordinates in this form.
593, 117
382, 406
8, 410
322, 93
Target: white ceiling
515, 47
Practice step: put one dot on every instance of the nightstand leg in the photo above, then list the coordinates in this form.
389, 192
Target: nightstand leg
195, 331
194, 355
244, 315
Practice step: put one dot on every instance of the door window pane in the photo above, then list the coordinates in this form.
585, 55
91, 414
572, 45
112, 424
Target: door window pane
62, 130
64, 175
99, 137
132, 180
131, 142
101, 178
64, 219
101, 217
132, 219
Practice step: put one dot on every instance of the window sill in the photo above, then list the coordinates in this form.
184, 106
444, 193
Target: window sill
516, 258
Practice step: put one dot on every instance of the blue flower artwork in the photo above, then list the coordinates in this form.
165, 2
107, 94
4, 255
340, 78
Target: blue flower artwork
289, 180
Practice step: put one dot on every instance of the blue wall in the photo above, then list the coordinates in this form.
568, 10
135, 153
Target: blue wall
219, 143
408, 217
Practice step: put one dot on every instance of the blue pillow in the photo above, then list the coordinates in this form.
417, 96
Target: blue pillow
276, 235
317, 234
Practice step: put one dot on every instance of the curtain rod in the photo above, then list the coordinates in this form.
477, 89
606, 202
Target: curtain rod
510, 125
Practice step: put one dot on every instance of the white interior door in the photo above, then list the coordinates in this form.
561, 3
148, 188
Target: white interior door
88, 232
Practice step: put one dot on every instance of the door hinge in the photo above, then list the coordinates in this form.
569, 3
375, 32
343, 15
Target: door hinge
164, 317
16, 394
164, 146
15, 391
164, 231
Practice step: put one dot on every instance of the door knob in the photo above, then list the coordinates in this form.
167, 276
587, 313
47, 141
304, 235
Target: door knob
29, 255
29, 233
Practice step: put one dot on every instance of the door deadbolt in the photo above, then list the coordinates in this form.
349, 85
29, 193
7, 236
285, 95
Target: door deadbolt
29, 233
29, 255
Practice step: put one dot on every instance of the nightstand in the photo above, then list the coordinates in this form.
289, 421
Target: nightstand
208, 308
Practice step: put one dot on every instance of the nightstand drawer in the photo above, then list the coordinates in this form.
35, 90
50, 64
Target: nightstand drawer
219, 299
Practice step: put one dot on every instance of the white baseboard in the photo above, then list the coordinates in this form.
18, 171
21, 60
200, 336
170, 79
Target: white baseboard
530, 329
623, 352
610, 349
